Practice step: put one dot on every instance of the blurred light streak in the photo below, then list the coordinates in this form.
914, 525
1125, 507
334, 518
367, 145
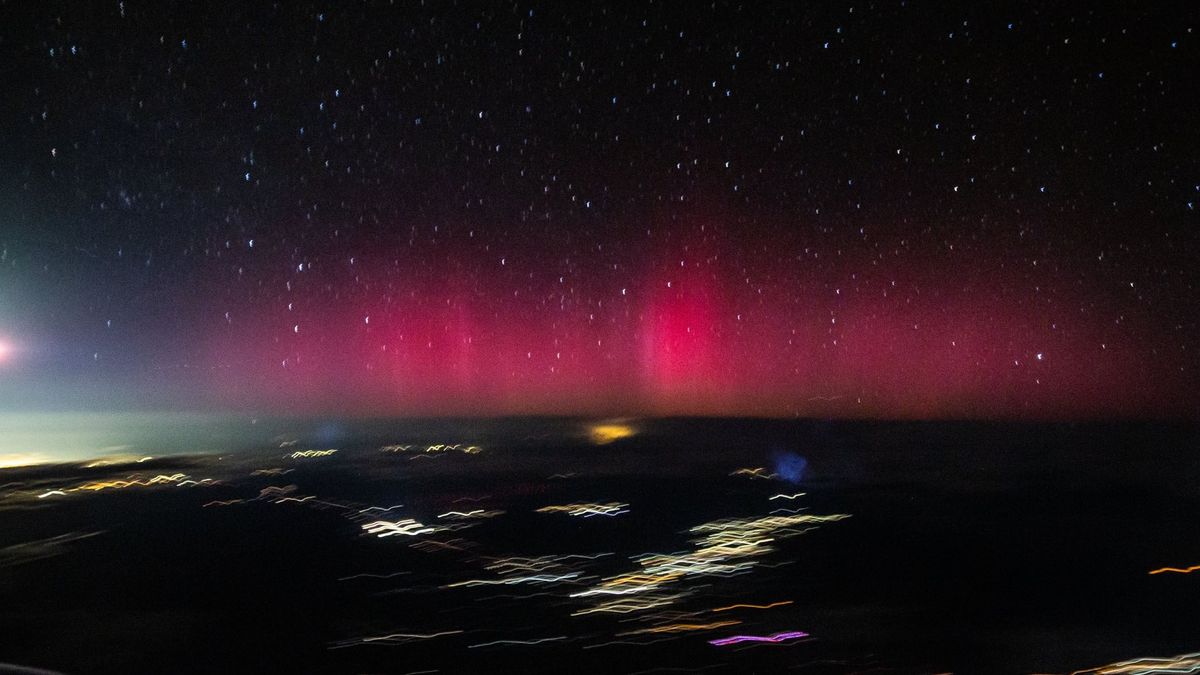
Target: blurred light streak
1148, 665
776, 637
614, 591
435, 448
727, 608
477, 513
176, 480
629, 584
274, 490
630, 643
1176, 570
407, 527
540, 564
121, 484
735, 526
584, 556
587, 510
392, 639
116, 460
783, 496
431, 545
535, 579
626, 606
368, 575
518, 642
308, 454
29, 551
381, 509
524, 564
516, 596
683, 627
753, 472
723, 549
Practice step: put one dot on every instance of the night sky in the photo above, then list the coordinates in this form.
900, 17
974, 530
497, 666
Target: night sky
879, 210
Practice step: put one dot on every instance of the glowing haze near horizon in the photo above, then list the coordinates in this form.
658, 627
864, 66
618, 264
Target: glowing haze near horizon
683, 323
887, 212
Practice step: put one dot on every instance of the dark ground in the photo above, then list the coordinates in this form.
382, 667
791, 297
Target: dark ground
969, 547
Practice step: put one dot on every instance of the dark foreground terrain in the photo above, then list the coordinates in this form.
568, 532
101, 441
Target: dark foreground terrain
646, 546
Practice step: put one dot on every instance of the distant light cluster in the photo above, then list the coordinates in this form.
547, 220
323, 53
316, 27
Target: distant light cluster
587, 510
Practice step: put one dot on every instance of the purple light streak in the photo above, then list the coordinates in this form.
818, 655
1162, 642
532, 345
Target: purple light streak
776, 637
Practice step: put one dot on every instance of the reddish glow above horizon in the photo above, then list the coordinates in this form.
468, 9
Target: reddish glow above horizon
690, 328
813, 211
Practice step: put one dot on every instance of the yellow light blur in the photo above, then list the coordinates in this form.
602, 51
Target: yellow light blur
12, 460
116, 460
682, 627
608, 432
587, 510
1176, 570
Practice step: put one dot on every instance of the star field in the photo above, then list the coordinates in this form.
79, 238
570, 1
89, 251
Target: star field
879, 210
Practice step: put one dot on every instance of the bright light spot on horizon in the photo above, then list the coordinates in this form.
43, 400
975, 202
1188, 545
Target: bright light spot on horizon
603, 434
13, 460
